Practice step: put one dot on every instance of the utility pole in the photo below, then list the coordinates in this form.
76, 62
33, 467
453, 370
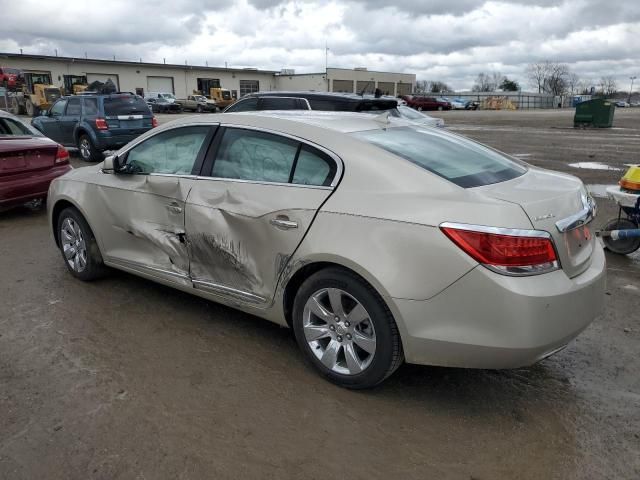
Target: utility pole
326, 64
631, 88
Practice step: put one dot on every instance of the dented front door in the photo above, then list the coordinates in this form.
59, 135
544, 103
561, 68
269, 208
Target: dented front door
143, 205
143, 224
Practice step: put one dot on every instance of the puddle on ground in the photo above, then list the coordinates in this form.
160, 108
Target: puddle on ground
594, 166
599, 190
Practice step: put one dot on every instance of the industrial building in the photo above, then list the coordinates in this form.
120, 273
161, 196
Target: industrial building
183, 80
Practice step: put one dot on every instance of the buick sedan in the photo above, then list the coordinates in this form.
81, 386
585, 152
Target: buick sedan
377, 240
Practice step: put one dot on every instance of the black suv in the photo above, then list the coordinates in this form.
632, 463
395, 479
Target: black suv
96, 122
334, 102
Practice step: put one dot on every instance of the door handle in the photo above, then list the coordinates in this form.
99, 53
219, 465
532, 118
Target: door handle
283, 223
174, 207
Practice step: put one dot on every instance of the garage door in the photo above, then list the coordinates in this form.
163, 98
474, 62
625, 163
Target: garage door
404, 89
387, 88
103, 77
365, 86
160, 84
343, 86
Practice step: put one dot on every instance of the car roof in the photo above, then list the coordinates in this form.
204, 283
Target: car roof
344, 122
335, 96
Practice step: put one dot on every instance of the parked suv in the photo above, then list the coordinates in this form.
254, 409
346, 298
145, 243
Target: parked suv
95, 123
426, 103
11, 78
335, 102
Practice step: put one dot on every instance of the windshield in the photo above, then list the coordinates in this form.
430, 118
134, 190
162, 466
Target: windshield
167, 95
13, 71
457, 159
125, 105
200, 98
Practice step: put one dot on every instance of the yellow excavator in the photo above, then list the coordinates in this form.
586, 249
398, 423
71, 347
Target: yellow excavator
37, 94
222, 97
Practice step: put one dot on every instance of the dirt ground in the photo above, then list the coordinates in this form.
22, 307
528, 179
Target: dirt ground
126, 379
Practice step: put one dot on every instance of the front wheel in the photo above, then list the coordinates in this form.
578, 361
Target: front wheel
623, 246
88, 151
346, 330
199, 109
440, 108
78, 246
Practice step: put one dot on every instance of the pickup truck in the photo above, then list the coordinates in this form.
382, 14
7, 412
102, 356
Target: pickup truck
197, 103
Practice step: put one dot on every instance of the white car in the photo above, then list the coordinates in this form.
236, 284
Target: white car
169, 97
377, 240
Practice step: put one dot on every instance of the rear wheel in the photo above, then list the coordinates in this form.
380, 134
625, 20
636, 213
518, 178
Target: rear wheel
440, 107
14, 106
345, 329
88, 151
419, 109
199, 109
78, 246
623, 246
30, 107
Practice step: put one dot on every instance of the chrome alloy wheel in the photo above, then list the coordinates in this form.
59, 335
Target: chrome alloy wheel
85, 148
73, 245
339, 331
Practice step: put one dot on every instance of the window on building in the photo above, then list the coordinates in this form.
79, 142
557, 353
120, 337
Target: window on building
206, 84
249, 86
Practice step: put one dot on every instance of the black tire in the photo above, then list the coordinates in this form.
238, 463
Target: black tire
388, 354
199, 109
440, 108
87, 150
622, 246
94, 267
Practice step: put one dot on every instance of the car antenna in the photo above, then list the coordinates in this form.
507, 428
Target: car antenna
365, 89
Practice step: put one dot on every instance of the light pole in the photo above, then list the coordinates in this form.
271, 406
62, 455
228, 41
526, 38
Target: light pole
631, 88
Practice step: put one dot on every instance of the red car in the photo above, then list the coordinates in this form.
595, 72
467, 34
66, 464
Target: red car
426, 103
11, 78
29, 162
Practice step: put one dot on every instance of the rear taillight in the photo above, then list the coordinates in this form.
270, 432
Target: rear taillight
62, 156
154, 122
503, 250
101, 124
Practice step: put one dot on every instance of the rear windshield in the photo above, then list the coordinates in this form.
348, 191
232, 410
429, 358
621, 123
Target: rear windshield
125, 105
457, 159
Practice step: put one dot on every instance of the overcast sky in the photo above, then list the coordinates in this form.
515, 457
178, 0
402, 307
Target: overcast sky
448, 40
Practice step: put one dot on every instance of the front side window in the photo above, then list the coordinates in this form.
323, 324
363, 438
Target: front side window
459, 160
258, 156
58, 108
171, 152
73, 107
246, 105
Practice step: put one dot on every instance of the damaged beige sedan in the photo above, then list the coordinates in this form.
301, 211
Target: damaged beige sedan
378, 241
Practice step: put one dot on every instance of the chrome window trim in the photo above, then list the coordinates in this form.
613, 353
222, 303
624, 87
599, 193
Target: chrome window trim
261, 182
333, 156
514, 232
228, 291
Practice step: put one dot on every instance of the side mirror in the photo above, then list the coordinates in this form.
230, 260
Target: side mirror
108, 166
44, 113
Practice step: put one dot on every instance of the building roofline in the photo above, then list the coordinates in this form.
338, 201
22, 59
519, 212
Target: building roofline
370, 71
28, 56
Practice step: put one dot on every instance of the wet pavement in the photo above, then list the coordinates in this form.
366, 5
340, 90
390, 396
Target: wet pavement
126, 379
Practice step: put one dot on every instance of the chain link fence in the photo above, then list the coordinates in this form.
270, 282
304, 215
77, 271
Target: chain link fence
511, 100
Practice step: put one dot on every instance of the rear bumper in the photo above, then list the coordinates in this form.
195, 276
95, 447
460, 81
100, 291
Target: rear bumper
487, 320
21, 188
108, 140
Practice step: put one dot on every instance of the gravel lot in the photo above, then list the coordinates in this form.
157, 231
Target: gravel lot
126, 379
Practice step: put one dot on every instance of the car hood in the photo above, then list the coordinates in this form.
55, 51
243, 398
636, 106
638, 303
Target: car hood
548, 198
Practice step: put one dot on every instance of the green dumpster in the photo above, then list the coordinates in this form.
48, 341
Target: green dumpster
594, 113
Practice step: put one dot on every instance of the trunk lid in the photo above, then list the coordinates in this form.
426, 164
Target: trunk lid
22, 154
550, 199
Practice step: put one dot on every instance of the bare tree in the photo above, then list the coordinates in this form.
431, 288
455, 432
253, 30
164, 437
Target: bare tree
573, 82
548, 77
436, 86
608, 86
487, 82
422, 86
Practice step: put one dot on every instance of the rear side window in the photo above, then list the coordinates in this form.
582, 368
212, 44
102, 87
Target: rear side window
246, 105
461, 161
258, 156
90, 106
331, 105
275, 103
124, 105
313, 168
380, 105
73, 106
